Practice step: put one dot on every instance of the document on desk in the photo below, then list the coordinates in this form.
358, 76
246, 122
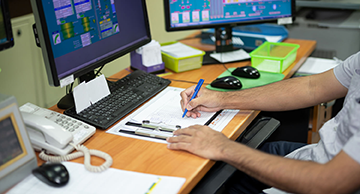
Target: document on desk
109, 181
314, 65
165, 107
231, 56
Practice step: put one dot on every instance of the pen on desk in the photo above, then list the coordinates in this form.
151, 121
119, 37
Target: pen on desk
197, 88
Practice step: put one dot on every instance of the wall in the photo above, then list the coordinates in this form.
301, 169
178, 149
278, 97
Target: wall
23, 73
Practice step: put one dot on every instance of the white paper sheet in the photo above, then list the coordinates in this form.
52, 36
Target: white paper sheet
109, 181
231, 56
97, 89
151, 54
180, 50
314, 65
81, 97
90, 92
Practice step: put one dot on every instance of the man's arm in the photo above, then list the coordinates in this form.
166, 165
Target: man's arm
284, 95
340, 175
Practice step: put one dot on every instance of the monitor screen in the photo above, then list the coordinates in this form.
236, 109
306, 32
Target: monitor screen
79, 36
223, 15
198, 14
6, 37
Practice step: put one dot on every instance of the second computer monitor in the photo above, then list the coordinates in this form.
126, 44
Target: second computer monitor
78, 36
199, 14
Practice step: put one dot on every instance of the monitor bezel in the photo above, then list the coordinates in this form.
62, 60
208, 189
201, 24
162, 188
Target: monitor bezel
7, 23
13, 112
45, 44
229, 24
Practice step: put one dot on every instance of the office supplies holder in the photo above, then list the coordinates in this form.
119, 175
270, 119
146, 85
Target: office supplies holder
137, 63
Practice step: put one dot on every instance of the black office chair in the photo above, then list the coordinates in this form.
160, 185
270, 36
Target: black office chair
255, 135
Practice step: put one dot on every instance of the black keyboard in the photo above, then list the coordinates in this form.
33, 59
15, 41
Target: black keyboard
126, 94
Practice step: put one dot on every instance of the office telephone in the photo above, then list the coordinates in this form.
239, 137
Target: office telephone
53, 133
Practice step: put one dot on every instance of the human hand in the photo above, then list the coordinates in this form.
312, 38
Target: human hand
200, 140
205, 100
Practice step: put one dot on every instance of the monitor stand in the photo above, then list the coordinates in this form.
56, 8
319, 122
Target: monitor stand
67, 101
223, 43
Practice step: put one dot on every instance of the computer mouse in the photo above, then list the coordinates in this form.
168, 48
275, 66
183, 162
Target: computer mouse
53, 174
227, 82
247, 72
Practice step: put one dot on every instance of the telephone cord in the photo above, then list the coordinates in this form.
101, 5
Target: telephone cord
82, 151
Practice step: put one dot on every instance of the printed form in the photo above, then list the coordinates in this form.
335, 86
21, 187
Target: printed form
165, 107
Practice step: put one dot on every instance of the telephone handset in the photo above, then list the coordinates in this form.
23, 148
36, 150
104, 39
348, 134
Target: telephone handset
59, 134
46, 134
53, 131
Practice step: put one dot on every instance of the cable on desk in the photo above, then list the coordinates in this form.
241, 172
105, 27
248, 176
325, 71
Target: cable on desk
185, 81
82, 151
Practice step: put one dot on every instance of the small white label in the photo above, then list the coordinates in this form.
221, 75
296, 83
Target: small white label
287, 20
67, 80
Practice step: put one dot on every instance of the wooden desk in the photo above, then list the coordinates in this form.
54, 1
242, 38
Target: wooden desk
149, 157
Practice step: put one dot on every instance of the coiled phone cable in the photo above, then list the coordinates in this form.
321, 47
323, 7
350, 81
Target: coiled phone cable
82, 151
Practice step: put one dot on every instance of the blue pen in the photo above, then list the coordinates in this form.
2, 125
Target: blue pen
197, 88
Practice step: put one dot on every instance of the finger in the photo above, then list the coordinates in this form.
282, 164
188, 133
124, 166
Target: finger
179, 146
194, 114
182, 105
196, 103
184, 131
186, 94
179, 139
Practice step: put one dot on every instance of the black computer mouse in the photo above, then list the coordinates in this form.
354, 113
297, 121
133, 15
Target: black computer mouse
247, 72
53, 174
227, 82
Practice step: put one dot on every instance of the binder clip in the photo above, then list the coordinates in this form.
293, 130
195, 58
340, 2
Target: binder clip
160, 126
153, 133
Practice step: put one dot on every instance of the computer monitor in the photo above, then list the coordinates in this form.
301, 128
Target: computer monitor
76, 37
6, 37
223, 15
17, 157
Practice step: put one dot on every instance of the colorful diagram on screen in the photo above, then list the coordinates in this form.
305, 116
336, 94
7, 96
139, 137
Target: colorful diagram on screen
75, 24
195, 12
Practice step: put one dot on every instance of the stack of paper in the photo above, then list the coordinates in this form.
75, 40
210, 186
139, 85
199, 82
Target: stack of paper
179, 50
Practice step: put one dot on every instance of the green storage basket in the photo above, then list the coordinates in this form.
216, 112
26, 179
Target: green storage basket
274, 56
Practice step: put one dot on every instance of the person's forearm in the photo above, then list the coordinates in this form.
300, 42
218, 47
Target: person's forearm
288, 94
274, 97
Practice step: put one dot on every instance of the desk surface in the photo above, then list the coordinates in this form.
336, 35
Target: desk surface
149, 157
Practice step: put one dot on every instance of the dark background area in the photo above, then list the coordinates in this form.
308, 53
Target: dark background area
294, 125
19, 7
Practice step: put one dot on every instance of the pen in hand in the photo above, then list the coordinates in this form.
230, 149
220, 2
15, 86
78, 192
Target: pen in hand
197, 88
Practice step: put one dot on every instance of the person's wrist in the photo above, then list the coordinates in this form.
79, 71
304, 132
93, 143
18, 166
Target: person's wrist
225, 150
